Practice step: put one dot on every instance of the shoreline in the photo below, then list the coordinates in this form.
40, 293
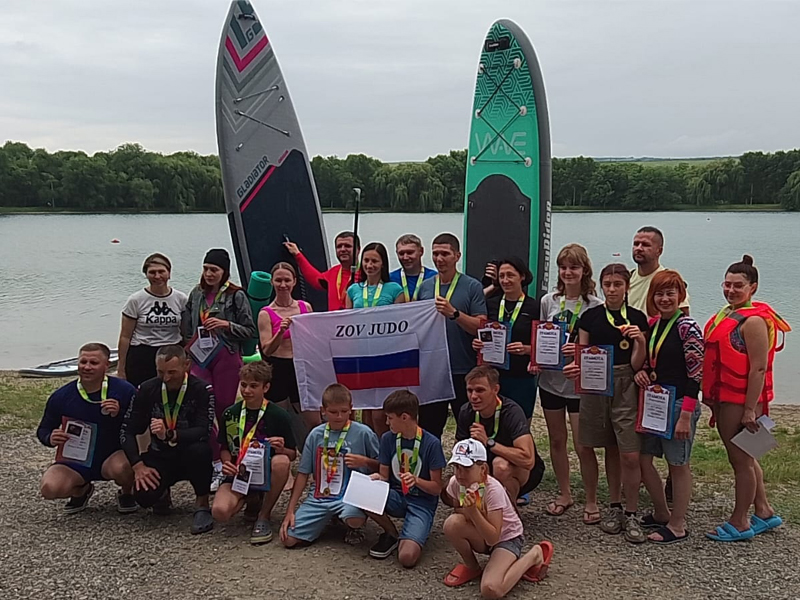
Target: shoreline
732, 208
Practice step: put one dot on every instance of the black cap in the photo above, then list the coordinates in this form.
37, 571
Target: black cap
219, 257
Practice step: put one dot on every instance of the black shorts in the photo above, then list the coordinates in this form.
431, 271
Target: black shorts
284, 380
552, 402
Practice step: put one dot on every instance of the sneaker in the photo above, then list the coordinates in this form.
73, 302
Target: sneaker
262, 532
386, 544
355, 536
633, 530
613, 521
163, 505
216, 481
78, 503
125, 503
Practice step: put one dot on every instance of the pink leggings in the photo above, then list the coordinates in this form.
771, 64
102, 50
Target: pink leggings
223, 375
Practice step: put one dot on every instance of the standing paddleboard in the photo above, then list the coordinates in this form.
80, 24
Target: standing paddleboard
269, 188
508, 188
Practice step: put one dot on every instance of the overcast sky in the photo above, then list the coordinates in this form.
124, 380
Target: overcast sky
394, 78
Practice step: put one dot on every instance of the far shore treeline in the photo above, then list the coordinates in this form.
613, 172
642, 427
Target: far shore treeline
133, 179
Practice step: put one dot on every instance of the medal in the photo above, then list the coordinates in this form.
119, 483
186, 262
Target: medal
496, 418
103, 395
332, 466
410, 297
408, 466
450, 290
246, 438
171, 417
375, 297
172, 443
326, 492
654, 348
623, 311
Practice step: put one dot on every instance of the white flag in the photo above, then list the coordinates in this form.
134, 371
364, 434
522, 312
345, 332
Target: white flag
373, 351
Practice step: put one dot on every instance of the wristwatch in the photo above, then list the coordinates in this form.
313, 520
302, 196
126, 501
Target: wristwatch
455, 315
490, 443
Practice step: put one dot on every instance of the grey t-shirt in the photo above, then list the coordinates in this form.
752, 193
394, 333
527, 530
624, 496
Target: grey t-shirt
550, 310
467, 298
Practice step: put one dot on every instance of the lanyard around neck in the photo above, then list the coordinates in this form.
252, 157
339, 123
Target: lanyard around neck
575, 313
171, 417
332, 467
411, 467
420, 278
655, 347
205, 309
496, 418
375, 297
245, 439
515, 312
450, 290
103, 391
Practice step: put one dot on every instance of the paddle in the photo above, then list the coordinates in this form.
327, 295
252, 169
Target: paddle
354, 266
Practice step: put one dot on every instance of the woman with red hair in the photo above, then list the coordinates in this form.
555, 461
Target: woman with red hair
674, 358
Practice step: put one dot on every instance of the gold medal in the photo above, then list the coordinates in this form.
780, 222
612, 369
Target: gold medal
624, 345
653, 376
172, 443
326, 492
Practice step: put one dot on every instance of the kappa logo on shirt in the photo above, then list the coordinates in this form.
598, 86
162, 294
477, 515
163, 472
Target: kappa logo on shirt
161, 314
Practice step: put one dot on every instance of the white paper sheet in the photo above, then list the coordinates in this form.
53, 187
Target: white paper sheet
494, 344
366, 494
254, 461
594, 370
655, 409
548, 344
79, 444
759, 443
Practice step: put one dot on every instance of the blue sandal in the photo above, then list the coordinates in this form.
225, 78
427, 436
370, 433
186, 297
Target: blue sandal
728, 533
760, 525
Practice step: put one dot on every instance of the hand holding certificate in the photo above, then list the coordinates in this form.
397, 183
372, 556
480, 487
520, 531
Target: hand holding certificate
203, 347
547, 339
494, 338
79, 448
657, 408
596, 365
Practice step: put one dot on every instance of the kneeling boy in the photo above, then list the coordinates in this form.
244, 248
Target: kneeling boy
411, 461
330, 452
246, 425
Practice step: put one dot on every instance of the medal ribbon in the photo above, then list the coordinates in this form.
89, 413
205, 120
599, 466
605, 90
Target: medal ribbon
410, 298
655, 347
205, 310
375, 298
575, 314
339, 293
462, 494
245, 439
723, 312
103, 391
496, 417
331, 468
515, 313
412, 464
450, 290
623, 311
171, 418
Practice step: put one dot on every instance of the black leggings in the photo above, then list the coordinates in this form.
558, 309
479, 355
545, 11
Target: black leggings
433, 417
191, 462
284, 380
140, 364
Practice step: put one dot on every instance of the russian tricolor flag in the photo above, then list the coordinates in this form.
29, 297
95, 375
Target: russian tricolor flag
376, 362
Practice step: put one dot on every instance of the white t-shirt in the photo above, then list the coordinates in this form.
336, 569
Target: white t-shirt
640, 286
550, 310
158, 318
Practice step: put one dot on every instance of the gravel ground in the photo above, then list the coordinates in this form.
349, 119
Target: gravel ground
100, 554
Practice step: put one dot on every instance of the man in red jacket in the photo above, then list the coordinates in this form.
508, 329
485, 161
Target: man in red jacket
336, 279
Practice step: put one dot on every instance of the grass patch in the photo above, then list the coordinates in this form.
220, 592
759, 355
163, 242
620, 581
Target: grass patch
22, 401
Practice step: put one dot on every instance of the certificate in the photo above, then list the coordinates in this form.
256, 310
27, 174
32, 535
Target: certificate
241, 483
201, 350
547, 341
597, 370
657, 407
495, 337
329, 483
79, 448
254, 469
366, 493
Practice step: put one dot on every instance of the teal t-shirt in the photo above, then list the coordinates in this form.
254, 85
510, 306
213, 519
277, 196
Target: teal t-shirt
389, 293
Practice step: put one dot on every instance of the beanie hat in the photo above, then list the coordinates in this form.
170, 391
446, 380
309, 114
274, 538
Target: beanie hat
218, 257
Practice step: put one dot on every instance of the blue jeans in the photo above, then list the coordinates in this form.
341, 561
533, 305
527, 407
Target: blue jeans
417, 517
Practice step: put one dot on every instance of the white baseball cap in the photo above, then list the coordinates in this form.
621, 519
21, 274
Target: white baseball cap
467, 452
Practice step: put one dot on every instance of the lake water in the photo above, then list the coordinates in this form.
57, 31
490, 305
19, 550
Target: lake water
65, 282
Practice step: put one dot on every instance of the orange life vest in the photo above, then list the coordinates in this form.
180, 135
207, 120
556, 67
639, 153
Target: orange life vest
725, 367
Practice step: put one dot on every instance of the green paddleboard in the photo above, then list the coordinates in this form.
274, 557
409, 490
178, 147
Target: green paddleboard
508, 187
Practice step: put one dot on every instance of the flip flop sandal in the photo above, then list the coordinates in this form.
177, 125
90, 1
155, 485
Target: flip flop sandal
728, 533
202, 521
538, 572
524, 500
760, 525
558, 508
592, 517
650, 522
461, 575
667, 537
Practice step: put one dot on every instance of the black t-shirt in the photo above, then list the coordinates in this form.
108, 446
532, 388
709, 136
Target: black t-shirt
602, 333
275, 422
513, 423
671, 367
520, 332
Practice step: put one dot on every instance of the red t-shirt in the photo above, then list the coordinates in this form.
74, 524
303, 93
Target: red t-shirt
334, 280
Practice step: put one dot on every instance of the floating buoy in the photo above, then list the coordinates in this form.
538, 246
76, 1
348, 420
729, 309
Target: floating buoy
615, 254
115, 241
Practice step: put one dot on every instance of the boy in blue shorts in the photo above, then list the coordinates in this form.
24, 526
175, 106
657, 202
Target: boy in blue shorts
331, 451
411, 460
